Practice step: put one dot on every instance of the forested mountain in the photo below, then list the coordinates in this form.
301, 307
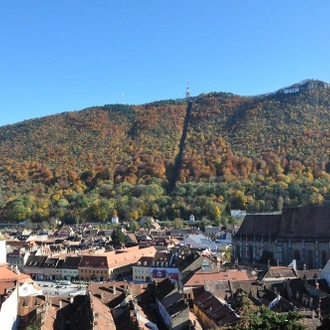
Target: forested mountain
167, 159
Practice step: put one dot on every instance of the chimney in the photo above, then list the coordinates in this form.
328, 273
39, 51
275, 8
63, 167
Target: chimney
318, 314
278, 298
60, 302
310, 302
71, 299
294, 264
317, 285
114, 289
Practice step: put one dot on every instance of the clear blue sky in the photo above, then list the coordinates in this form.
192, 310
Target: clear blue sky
58, 56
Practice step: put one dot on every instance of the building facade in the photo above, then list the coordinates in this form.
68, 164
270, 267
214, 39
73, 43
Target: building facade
300, 233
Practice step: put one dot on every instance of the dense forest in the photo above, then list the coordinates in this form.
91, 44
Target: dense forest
205, 155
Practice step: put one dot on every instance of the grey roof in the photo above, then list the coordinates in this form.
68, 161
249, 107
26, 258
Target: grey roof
302, 221
260, 225
51, 262
60, 264
71, 262
200, 242
164, 288
35, 261
307, 221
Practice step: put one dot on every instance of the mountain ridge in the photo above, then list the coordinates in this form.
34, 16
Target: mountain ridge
306, 84
169, 158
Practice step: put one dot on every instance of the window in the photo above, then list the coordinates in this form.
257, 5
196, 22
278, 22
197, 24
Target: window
296, 255
324, 258
310, 259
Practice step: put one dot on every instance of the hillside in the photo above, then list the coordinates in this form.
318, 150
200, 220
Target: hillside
169, 158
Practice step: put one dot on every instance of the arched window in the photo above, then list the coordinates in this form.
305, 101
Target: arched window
296, 255
250, 253
238, 254
310, 259
324, 258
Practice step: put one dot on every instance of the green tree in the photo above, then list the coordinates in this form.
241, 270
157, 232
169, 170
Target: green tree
178, 223
262, 318
148, 222
133, 226
117, 236
20, 212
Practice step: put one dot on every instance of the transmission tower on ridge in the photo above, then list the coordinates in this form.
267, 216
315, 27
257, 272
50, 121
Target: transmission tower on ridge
122, 98
187, 91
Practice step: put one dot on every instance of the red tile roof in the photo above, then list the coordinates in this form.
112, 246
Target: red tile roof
102, 316
6, 274
128, 256
94, 261
201, 276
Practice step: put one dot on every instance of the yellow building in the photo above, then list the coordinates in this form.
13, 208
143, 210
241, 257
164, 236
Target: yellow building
141, 270
113, 264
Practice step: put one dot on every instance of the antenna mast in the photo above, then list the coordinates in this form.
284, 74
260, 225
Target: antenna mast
187, 91
122, 98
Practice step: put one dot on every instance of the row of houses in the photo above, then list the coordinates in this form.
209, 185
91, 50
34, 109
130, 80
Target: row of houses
204, 293
92, 266
143, 264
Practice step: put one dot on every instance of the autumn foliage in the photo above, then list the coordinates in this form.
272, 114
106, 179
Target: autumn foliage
255, 153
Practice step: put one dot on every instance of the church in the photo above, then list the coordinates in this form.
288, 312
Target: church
300, 233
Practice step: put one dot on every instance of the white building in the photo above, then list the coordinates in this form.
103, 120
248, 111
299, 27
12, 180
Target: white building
141, 270
8, 307
212, 230
13, 285
9, 293
238, 213
3, 254
115, 219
